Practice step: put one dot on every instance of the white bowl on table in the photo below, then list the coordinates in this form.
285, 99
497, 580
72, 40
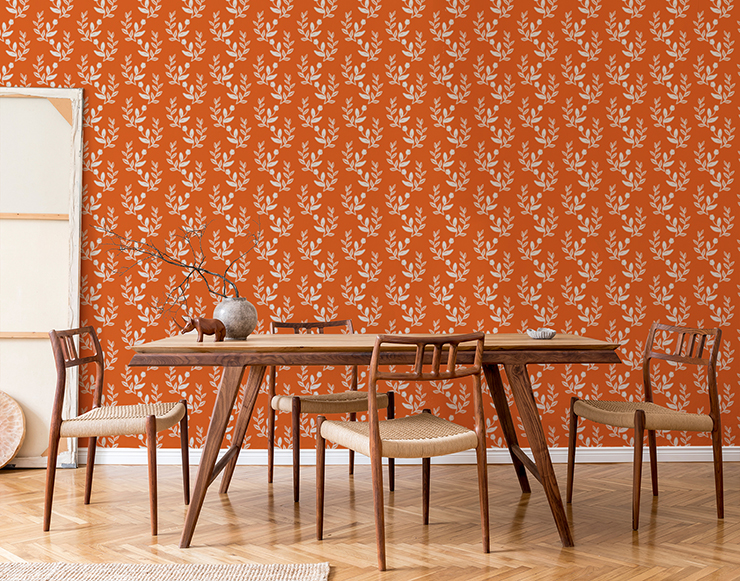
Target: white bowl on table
541, 333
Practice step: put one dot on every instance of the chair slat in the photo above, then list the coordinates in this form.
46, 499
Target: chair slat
452, 358
436, 359
70, 349
700, 347
419, 361
679, 343
692, 344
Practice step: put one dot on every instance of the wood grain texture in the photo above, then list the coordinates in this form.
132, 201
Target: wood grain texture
527, 406
221, 412
24, 335
503, 348
679, 538
496, 390
357, 342
33, 216
256, 374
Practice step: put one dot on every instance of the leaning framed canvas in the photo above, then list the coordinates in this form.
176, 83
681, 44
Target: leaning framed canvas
40, 212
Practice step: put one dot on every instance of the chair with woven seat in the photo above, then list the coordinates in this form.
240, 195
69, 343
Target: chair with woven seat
349, 402
419, 436
104, 421
689, 347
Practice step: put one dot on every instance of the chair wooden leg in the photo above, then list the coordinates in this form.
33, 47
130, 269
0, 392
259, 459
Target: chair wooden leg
184, 448
296, 417
320, 475
352, 418
718, 479
270, 425
51, 470
637, 468
89, 469
426, 464
377, 479
653, 448
572, 439
391, 414
151, 446
482, 462
425, 475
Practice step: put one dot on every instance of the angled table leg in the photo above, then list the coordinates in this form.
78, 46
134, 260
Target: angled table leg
256, 374
496, 387
527, 406
222, 409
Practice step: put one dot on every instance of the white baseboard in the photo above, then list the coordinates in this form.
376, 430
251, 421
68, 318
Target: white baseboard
249, 457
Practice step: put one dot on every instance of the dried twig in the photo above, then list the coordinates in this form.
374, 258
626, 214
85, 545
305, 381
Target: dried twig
193, 266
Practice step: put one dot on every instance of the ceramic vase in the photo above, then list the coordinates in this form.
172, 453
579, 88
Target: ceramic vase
238, 316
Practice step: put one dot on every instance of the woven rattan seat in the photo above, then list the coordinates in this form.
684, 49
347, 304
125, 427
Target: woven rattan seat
328, 403
688, 347
622, 415
123, 420
107, 420
418, 436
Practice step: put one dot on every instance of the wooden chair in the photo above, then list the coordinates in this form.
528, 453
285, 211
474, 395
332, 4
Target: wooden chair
419, 436
351, 402
102, 420
692, 347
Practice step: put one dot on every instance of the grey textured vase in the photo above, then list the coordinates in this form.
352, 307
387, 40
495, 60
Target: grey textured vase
238, 316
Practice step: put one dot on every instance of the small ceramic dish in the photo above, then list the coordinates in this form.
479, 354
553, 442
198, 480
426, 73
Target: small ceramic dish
541, 333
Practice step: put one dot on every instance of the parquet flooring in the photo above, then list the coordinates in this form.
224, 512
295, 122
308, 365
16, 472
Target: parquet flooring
680, 536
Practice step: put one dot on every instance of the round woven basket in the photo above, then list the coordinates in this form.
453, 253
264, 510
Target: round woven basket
12, 428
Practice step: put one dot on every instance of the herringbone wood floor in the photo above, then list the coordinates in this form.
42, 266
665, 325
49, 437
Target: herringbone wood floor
680, 536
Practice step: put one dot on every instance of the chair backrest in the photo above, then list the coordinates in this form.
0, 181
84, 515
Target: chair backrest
441, 363
692, 346
311, 326
317, 327
66, 348
436, 357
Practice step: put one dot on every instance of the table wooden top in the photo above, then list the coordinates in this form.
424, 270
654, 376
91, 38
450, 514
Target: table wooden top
358, 342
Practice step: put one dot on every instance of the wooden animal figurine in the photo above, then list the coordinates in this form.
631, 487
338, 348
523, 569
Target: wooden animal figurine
205, 327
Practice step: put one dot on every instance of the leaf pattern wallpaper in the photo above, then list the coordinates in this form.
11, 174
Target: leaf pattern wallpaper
414, 165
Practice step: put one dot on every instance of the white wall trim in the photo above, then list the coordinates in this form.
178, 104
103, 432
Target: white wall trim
171, 456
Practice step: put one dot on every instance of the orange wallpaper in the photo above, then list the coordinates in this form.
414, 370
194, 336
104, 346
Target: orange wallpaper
418, 165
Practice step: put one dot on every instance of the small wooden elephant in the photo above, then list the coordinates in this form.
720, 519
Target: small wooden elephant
205, 327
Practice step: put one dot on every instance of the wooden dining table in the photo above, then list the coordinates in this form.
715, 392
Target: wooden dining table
511, 351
